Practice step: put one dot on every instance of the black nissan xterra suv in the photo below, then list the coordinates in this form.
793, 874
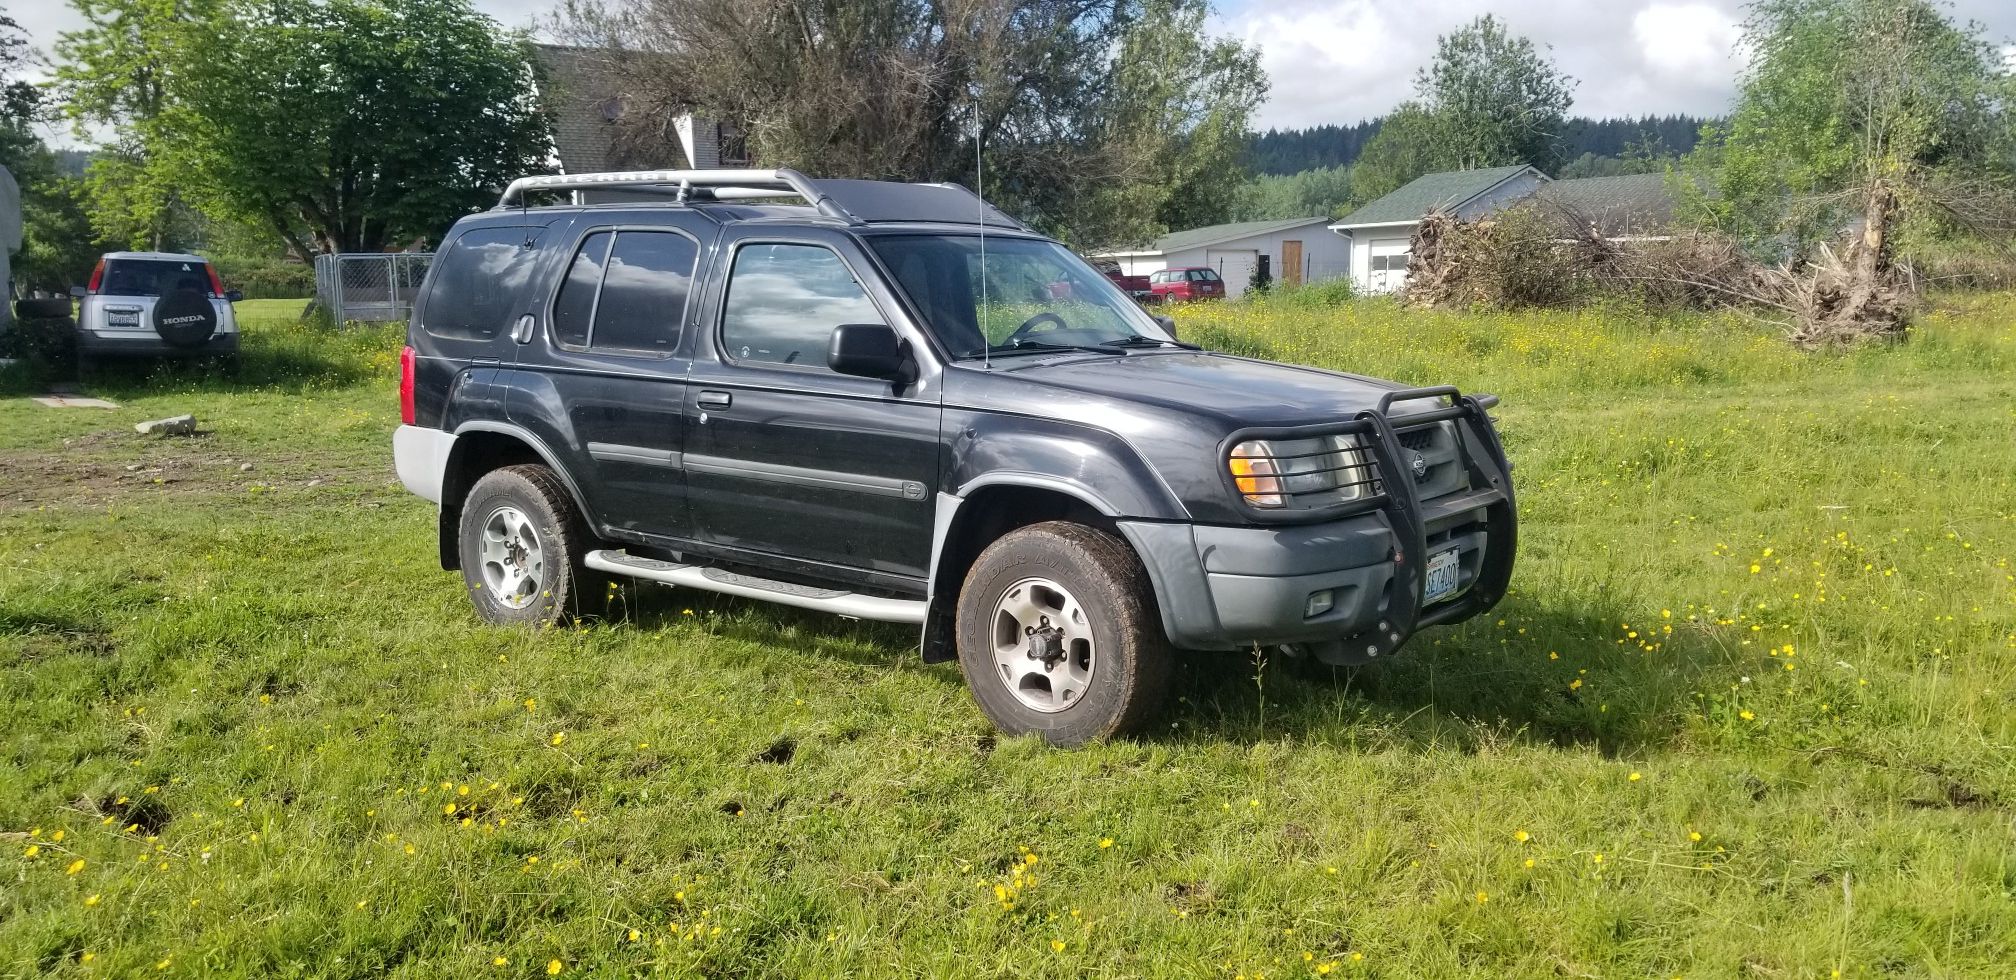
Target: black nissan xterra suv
894, 402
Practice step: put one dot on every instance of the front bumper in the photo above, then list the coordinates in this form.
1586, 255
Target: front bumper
1228, 588
151, 345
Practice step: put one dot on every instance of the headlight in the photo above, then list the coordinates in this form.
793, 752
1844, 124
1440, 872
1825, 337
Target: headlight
1315, 472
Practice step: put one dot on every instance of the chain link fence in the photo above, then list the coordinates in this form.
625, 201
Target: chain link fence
369, 286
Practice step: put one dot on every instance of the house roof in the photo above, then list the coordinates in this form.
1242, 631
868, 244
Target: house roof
1448, 189
1177, 241
1638, 204
584, 100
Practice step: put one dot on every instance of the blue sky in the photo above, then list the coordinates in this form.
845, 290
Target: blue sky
1339, 61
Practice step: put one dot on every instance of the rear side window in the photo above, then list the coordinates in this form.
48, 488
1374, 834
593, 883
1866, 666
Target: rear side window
153, 277
574, 308
784, 301
478, 283
626, 291
1203, 275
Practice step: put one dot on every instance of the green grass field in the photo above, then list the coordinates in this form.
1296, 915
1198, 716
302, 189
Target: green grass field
1748, 713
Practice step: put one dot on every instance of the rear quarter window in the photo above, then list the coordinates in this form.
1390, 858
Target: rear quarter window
479, 282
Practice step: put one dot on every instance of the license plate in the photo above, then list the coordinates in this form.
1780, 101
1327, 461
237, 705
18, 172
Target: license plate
130, 321
1443, 572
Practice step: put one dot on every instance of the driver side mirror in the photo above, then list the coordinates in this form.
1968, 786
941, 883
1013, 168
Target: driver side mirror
869, 350
1167, 323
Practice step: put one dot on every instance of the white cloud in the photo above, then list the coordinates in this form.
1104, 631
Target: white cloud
1339, 61
1686, 39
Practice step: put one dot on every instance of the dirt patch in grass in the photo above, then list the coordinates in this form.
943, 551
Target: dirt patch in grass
102, 468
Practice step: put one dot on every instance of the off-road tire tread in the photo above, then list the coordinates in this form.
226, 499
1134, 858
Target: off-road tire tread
1117, 582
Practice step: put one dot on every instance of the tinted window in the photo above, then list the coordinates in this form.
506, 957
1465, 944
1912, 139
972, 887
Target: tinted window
1203, 275
644, 292
153, 277
477, 284
784, 301
575, 305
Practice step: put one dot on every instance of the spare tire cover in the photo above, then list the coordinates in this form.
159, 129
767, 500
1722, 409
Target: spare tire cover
185, 318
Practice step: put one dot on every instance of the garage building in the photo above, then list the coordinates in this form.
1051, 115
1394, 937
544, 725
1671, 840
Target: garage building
1295, 251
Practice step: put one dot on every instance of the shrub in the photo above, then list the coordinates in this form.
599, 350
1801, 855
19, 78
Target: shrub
1324, 295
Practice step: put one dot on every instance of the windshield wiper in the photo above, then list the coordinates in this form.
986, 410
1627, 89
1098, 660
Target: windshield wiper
1041, 347
1136, 340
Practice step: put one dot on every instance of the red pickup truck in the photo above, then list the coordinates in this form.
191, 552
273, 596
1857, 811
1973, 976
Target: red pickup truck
1135, 286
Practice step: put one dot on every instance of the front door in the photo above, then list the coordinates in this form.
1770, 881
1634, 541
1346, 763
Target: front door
789, 463
1291, 263
604, 385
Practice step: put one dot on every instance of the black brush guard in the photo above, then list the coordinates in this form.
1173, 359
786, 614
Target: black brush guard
1490, 472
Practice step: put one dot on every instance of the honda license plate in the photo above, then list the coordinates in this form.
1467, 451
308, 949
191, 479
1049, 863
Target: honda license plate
1443, 572
126, 321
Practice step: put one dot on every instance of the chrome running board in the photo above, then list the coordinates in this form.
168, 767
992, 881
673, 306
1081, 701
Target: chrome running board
709, 579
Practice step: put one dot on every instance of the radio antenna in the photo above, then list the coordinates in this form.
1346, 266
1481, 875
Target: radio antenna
980, 196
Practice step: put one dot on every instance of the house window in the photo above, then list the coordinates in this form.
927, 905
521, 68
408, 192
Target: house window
731, 145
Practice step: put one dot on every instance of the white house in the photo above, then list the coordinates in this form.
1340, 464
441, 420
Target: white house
1379, 234
1294, 250
1634, 207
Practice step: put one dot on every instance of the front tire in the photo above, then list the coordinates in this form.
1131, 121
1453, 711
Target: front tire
522, 542
1058, 635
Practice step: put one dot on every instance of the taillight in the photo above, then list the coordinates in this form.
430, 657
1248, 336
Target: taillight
406, 414
97, 275
216, 284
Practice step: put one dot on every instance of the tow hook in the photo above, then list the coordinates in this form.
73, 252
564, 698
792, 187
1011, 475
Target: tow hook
1046, 643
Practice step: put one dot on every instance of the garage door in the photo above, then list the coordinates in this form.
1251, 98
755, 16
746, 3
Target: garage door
1389, 264
1234, 265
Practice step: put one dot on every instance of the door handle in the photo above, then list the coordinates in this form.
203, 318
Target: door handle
523, 332
716, 399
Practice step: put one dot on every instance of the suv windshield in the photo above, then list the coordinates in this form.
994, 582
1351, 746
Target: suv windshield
1029, 295
153, 277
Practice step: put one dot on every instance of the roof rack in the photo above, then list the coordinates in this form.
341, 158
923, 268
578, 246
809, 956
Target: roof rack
720, 185
856, 202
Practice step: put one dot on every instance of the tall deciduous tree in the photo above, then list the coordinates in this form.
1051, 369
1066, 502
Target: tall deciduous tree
1881, 114
367, 122
1101, 120
1489, 98
114, 75
1498, 98
348, 124
1841, 94
1409, 143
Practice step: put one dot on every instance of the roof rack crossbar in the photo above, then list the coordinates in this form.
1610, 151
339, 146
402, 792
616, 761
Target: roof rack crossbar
724, 184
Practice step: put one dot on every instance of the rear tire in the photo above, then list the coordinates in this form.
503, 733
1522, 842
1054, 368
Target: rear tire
1058, 635
521, 542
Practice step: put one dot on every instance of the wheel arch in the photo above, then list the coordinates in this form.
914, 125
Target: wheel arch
481, 447
981, 512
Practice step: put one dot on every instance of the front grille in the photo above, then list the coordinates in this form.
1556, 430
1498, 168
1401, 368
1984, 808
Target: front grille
1437, 446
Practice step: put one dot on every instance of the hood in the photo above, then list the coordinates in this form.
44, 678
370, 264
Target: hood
1240, 390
